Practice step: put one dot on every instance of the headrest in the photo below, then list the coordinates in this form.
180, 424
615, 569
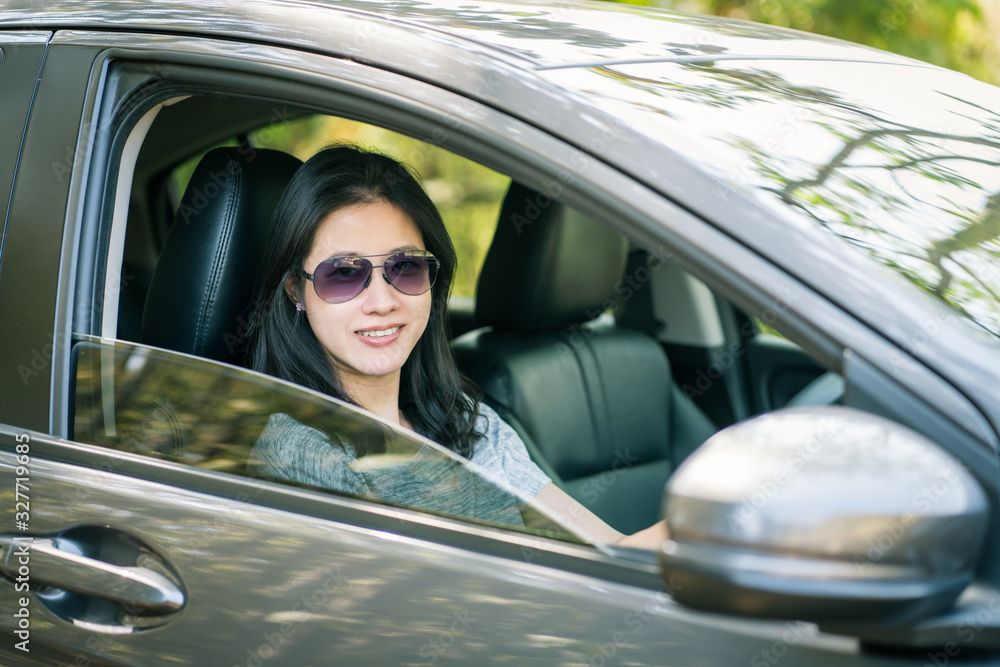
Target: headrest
548, 266
202, 287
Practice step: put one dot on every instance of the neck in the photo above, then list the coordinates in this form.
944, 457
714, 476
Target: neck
379, 395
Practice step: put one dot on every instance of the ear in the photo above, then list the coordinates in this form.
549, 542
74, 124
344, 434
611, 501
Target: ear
293, 288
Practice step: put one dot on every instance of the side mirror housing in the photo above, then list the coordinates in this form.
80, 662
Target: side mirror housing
828, 515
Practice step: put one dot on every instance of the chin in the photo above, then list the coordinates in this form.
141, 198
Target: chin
381, 369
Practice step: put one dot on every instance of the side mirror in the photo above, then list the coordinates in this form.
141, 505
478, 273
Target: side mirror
828, 515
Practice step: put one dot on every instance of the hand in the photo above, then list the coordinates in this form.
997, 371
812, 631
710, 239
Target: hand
647, 538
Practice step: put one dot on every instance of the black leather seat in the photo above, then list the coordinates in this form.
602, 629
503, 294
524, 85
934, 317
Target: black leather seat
200, 295
595, 403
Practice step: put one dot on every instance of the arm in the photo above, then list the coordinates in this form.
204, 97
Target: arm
569, 511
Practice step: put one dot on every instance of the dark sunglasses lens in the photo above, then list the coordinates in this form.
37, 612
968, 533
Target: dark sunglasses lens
411, 274
342, 278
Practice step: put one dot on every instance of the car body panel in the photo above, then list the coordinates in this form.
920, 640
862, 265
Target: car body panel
20, 54
32, 267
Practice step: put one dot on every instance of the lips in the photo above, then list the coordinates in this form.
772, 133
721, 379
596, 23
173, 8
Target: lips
377, 337
378, 333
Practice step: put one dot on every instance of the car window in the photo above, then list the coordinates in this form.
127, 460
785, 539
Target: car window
211, 416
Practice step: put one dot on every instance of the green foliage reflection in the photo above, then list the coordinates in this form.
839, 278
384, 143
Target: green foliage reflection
957, 34
184, 410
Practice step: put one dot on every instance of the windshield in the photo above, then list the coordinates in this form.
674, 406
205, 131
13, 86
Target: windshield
900, 161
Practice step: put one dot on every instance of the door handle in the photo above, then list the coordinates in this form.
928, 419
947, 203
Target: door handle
142, 590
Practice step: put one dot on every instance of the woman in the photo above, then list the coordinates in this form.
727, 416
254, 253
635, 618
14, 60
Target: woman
353, 304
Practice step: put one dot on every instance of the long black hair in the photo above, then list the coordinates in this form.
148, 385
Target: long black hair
435, 397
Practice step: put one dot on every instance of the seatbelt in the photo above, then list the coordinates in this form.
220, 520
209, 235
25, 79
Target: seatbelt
638, 308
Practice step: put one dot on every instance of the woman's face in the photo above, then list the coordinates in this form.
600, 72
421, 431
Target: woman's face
348, 330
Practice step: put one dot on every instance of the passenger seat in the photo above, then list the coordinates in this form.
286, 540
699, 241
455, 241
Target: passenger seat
595, 403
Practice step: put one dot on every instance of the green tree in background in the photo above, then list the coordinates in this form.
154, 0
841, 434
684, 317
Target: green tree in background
958, 34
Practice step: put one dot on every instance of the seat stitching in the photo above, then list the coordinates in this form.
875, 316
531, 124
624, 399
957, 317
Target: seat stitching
220, 253
601, 387
588, 391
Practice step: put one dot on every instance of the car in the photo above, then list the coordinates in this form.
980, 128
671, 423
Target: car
740, 277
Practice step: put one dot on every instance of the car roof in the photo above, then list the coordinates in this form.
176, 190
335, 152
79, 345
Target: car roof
534, 34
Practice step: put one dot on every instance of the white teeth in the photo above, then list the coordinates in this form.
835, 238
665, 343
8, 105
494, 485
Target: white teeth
379, 334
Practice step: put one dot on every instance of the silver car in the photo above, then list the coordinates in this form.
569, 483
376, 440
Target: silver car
749, 282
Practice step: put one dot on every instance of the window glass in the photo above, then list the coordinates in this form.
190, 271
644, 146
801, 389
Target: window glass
212, 416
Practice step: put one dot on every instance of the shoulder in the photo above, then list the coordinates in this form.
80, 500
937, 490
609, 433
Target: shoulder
487, 418
497, 434
502, 452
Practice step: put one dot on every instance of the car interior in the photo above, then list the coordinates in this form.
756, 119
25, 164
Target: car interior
611, 362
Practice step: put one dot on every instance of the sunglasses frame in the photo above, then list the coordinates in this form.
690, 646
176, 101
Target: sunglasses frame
426, 255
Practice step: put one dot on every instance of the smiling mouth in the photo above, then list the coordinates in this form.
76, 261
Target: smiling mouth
379, 333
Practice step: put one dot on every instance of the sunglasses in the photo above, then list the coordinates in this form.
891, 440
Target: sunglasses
340, 279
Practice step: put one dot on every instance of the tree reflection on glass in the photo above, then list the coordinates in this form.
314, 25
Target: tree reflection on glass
899, 160
191, 411
921, 201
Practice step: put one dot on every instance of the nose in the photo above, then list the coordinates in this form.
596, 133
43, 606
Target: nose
380, 296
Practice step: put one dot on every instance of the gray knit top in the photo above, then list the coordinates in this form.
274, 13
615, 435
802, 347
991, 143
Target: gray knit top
288, 450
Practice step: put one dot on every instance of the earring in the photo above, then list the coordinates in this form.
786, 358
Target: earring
299, 306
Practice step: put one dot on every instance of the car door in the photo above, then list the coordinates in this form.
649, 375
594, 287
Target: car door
157, 545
